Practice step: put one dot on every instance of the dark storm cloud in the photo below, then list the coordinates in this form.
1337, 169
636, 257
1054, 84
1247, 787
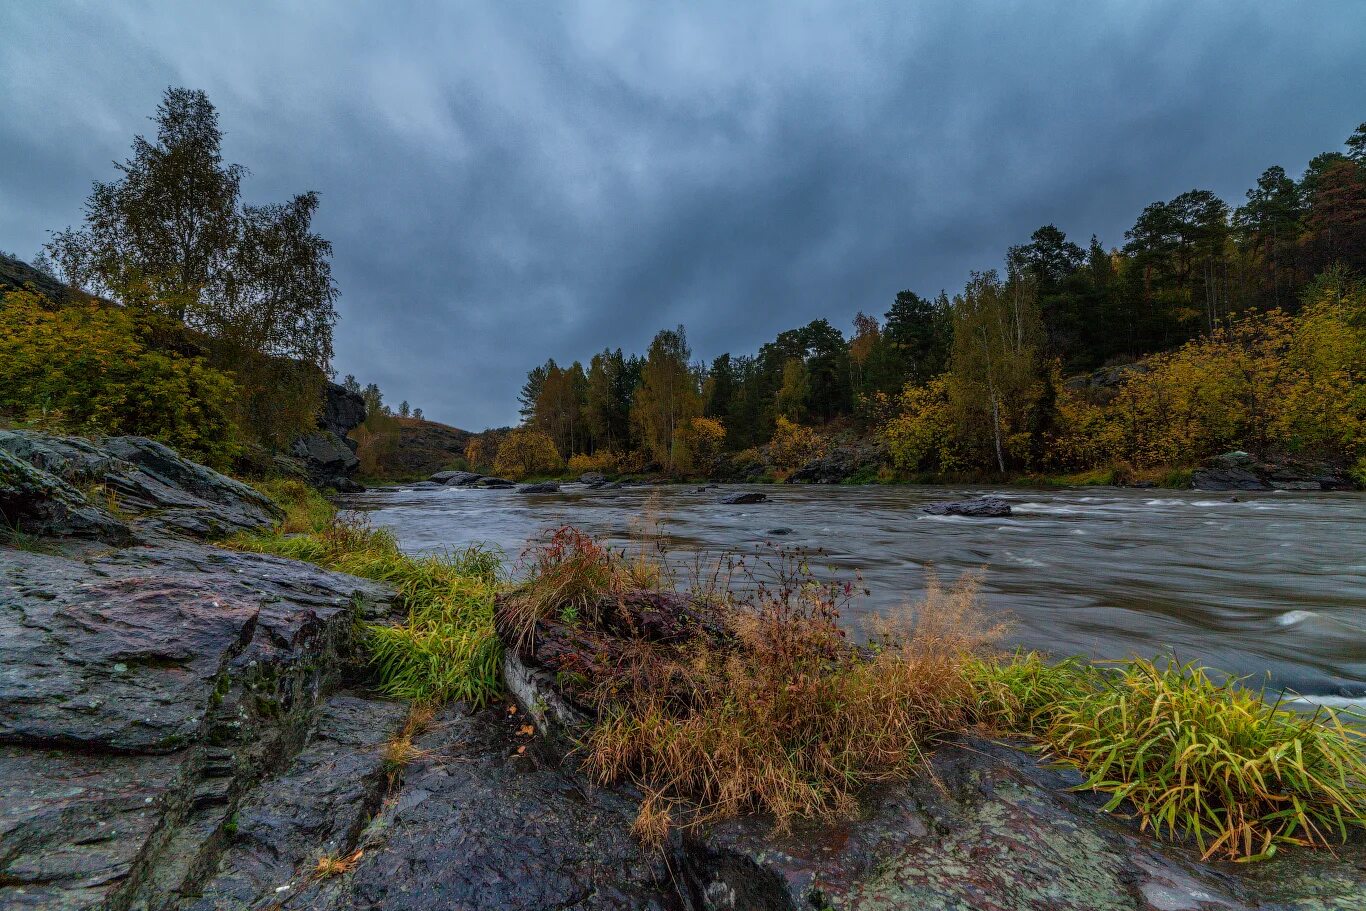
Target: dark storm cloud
503, 183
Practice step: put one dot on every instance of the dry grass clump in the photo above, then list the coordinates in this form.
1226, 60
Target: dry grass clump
780, 712
1196, 758
329, 866
567, 577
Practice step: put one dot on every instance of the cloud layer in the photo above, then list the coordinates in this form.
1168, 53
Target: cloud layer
505, 182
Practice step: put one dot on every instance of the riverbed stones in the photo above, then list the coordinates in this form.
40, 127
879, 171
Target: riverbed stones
977, 508
1241, 471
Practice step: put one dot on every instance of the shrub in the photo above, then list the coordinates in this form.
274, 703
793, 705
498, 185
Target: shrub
89, 368
920, 435
792, 445
525, 452
482, 450
1196, 758
604, 461
701, 445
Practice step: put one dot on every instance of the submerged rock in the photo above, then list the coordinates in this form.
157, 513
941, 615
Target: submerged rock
543, 487
979, 508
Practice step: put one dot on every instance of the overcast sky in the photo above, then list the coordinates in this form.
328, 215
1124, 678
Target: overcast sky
508, 181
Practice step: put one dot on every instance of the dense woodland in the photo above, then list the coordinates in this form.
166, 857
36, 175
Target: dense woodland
1240, 325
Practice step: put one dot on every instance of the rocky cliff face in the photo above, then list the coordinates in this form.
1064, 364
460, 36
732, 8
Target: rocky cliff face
328, 455
186, 727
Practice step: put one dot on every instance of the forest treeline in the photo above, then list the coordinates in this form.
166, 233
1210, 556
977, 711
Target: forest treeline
1227, 326
187, 315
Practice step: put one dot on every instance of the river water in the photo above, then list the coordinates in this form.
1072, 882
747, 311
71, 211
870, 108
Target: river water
1267, 584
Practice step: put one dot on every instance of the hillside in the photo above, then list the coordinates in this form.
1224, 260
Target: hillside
406, 448
16, 275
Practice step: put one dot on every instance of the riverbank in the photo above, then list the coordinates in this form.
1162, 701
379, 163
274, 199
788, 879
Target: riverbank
238, 737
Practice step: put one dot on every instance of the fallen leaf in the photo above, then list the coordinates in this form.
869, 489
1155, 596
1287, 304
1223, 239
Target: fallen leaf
526, 730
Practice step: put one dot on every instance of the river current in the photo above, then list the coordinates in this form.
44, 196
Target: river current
1271, 585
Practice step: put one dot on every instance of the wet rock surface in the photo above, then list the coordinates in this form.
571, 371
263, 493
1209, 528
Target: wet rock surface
142, 693
1241, 471
479, 825
979, 508
119, 489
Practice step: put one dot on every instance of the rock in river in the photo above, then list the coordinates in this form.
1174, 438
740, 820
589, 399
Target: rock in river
979, 508
744, 497
543, 487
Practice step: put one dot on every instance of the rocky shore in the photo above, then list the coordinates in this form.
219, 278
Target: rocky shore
184, 726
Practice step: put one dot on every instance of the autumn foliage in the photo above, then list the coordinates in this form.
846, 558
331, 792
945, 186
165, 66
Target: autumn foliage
525, 452
95, 369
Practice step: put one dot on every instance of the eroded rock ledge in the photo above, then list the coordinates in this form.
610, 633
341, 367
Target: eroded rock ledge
183, 727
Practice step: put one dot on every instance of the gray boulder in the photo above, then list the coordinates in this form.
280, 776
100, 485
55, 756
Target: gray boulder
343, 411
489, 483
979, 508
150, 489
455, 478
542, 487
1241, 471
743, 498
35, 502
1230, 471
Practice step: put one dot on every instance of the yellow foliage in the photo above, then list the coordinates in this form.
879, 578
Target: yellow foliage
793, 445
604, 461
524, 452
482, 450
701, 444
920, 436
90, 368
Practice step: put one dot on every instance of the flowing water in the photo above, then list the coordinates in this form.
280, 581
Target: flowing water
1266, 584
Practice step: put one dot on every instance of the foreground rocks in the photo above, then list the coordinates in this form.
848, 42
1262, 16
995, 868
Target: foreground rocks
143, 693
187, 727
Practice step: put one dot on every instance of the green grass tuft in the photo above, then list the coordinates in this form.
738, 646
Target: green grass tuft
1198, 758
446, 648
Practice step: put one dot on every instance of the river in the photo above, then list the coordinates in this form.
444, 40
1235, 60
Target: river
1265, 584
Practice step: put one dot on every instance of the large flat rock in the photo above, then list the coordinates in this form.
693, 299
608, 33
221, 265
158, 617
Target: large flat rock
143, 693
